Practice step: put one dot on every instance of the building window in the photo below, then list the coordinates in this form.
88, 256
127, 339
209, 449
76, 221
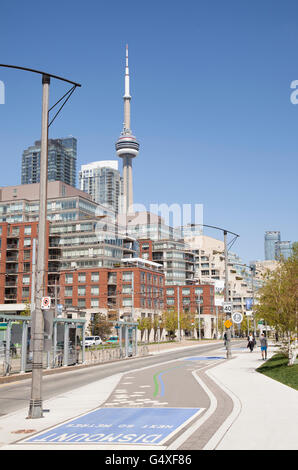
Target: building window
68, 278
170, 292
94, 303
127, 302
81, 302
26, 279
198, 291
205, 273
27, 230
94, 290
27, 242
94, 277
82, 277
127, 276
185, 291
127, 290
25, 292
68, 292
81, 290
170, 301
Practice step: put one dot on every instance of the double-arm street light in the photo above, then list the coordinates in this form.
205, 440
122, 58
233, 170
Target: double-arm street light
37, 326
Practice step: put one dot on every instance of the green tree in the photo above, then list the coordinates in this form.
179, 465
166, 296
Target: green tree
170, 323
148, 326
142, 326
99, 326
278, 302
187, 322
27, 311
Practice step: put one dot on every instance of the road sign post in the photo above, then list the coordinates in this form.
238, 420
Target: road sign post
228, 310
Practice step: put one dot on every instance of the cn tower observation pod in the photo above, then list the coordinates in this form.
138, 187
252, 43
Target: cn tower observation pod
127, 145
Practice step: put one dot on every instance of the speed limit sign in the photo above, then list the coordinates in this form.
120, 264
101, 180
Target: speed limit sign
227, 307
46, 303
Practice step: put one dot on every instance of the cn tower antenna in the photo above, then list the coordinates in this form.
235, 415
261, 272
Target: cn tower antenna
127, 146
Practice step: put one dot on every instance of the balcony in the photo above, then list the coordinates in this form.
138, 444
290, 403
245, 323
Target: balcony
12, 246
11, 270
12, 259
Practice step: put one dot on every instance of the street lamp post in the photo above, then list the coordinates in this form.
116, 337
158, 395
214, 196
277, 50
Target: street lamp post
178, 311
37, 325
228, 330
35, 406
253, 270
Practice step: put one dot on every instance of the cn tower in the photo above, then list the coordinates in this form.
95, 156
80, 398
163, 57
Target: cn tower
127, 146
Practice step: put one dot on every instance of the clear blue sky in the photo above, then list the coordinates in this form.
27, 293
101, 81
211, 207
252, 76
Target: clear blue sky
210, 82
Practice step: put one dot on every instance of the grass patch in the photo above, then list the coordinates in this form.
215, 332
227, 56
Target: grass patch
277, 368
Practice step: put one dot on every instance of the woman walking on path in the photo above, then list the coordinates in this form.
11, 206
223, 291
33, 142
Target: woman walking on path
251, 342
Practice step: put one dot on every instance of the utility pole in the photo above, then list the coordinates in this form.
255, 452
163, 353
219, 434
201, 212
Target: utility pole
252, 270
199, 311
33, 275
178, 311
228, 330
37, 323
35, 406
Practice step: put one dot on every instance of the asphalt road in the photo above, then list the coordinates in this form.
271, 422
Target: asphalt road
16, 395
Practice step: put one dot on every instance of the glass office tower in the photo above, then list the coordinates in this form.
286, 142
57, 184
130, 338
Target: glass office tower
103, 182
283, 249
62, 161
270, 240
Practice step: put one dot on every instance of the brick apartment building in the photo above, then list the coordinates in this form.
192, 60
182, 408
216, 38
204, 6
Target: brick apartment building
129, 285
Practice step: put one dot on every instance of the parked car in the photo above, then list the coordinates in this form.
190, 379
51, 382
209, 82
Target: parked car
113, 340
92, 341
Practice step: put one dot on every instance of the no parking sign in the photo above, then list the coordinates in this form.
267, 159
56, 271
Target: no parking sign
46, 303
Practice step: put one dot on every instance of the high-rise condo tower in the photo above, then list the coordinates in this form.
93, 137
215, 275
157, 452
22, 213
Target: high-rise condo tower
127, 147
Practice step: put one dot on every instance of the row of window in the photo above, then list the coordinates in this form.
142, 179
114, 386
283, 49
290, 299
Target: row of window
127, 302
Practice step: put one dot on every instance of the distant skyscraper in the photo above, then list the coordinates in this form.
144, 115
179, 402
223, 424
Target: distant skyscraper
62, 161
127, 146
270, 239
283, 249
103, 182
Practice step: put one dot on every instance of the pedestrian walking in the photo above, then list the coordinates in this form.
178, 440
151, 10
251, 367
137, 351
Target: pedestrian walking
264, 346
251, 342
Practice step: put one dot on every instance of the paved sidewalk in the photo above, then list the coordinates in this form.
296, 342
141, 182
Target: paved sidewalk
264, 416
265, 411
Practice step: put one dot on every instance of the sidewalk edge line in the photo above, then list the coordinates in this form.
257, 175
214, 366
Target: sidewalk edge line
226, 425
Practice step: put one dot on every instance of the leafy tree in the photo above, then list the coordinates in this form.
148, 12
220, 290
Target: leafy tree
170, 322
187, 321
27, 311
99, 326
278, 302
141, 326
156, 325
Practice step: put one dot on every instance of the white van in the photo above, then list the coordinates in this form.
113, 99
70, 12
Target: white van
92, 341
